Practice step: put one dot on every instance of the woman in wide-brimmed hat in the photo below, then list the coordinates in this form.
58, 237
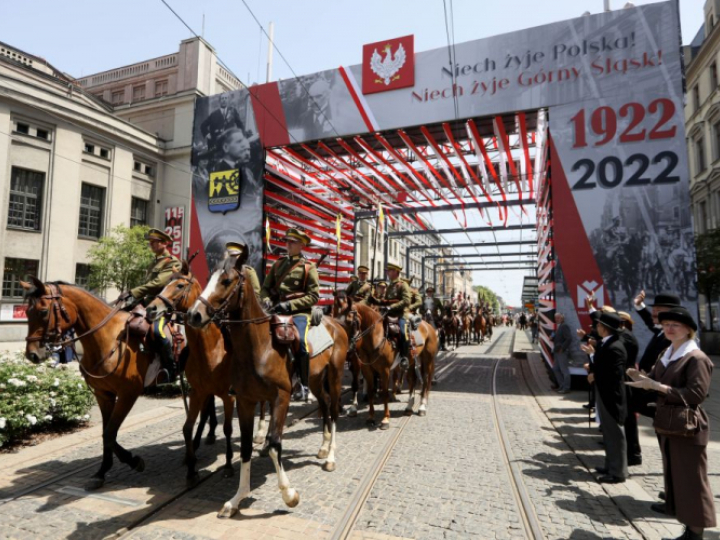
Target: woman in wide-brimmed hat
682, 378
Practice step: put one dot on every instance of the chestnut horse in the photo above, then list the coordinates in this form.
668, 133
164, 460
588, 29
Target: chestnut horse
377, 355
452, 328
480, 326
262, 371
339, 305
114, 369
207, 368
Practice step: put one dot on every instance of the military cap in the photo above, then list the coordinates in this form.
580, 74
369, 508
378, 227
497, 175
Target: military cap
157, 234
363, 268
381, 284
297, 234
235, 248
391, 266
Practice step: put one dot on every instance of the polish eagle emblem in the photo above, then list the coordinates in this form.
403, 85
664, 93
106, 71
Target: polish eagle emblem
387, 67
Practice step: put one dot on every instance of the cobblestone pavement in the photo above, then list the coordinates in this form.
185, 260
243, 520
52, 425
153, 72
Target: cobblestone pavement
445, 477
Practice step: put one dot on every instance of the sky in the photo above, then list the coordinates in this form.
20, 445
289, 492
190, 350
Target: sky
81, 37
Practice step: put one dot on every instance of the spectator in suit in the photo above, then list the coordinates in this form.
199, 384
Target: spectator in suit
630, 342
562, 340
681, 378
608, 373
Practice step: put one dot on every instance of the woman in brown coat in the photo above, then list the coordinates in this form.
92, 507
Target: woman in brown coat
682, 375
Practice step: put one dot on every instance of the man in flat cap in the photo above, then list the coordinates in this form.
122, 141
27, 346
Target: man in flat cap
292, 287
157, 276
360, 289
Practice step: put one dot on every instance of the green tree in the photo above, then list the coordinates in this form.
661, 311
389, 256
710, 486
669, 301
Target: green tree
707, 246
488, 296
120, 259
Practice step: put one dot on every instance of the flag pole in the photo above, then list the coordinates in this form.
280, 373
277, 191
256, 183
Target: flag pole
377, 226
338, 228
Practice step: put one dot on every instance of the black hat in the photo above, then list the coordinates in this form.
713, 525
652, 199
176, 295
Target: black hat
679, 314
610, 320
595, 316
666, 300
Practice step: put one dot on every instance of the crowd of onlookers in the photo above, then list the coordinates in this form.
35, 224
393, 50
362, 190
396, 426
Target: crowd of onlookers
667, 381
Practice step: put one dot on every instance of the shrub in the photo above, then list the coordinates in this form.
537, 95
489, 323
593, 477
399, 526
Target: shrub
37, 398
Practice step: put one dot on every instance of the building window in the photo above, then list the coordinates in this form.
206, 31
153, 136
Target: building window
701, 217
700, 154
91, 211
22, 128
105, 153
138, 212
25, 199
161, 88
89, 148
17, 270
82, 275
118, 97
696, 97
42, 134
713, 76
716, 139
138, 93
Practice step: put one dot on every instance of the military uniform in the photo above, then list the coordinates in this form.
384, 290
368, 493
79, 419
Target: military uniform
293, 286
398, 299
156, 278
359, 290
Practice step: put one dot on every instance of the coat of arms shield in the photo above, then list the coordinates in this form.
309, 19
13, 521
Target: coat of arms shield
224, 191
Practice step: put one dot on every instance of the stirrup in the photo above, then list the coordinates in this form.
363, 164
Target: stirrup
163, 378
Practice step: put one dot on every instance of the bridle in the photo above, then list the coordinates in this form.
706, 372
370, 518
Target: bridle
171, 305
220, 315
52, 336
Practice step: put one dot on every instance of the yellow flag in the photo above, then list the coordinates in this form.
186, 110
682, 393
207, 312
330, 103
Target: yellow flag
267, 232
338, 228
381, 219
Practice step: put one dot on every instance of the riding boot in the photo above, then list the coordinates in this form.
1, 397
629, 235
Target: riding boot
405, 354
168, 373
304, 371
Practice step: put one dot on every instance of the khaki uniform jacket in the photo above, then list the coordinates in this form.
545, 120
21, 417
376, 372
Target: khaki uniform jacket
302, 287
416, 301
398, 298
253, 277
359, 290
158, 275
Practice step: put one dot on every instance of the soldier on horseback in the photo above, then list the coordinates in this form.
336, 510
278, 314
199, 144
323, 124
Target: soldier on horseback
157, 276
361, 288
397, 304
292, 287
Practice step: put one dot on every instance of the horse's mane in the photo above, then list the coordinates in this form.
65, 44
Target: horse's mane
34, 292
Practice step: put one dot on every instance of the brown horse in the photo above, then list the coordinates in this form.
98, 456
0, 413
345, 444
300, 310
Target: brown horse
452, 327
262, 371
114, 369
480, 326
377, 355
207, 367
340, 303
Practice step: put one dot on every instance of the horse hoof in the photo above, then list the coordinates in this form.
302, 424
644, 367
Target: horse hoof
384, 425
408, 412
422, 413
291, 497
322, 454
228, 511
228, 471
329, 466
139, 464
210, 439
258, 440
94, 483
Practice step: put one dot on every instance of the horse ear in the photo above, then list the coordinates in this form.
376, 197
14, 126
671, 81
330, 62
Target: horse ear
185, 268
241, 260
35, 287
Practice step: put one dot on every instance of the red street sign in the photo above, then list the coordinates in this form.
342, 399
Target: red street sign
388, 65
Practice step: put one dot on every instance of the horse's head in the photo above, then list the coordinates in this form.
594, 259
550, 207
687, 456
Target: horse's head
49, 317
178, 295
340, 304
224, 292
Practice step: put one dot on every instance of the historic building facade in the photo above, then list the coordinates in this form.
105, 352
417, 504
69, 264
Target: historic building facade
702, 129
79, 157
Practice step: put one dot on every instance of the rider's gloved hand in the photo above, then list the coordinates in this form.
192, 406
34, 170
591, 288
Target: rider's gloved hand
384, 310
283, 308
267, 303
125, 299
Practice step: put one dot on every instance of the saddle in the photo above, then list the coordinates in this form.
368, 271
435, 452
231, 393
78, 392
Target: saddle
138, 326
